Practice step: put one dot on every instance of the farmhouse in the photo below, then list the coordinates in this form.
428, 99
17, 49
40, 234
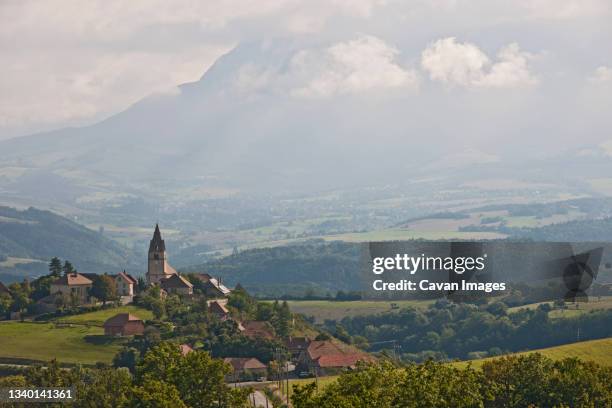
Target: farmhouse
176, 284
258, 329
74, 285
125, 284
297, 346
219, 310
213, 288
248, 365
123, 324
325, 355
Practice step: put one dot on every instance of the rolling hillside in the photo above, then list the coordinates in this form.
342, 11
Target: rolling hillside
599, 351
29, 238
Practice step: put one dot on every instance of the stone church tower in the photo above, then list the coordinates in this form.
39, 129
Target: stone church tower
158, 262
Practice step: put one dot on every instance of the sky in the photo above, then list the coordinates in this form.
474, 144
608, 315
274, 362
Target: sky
73, 62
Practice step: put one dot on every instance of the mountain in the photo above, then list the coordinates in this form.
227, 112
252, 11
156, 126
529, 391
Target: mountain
30, 238
251, 125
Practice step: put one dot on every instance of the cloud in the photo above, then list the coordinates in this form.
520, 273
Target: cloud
464, 64
601, 74
364, 64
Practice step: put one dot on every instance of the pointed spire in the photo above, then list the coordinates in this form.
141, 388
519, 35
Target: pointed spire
157, 243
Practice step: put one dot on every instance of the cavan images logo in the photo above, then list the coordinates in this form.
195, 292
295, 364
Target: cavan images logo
579, 272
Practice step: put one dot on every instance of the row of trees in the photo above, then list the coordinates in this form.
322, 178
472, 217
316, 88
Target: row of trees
516, 381
452, 330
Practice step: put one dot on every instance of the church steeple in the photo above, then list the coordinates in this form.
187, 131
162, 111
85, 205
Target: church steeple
157, 243
159, 268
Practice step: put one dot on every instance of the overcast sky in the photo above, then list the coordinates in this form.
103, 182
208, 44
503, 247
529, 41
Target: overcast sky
75, 62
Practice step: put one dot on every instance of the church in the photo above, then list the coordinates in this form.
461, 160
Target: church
158, 267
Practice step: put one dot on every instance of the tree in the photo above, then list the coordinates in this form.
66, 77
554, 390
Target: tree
283, 325
105, 388
68, 268
104, 288
55, 267
126, 357
199, 379
156, 394
141, 285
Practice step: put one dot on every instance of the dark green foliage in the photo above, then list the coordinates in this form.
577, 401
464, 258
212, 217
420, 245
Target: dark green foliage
523, 381
315, 264
40, 234
163, 378
103, 288
450, 330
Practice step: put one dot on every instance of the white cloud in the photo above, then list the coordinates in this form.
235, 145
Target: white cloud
364, 64
601, 74
464, 64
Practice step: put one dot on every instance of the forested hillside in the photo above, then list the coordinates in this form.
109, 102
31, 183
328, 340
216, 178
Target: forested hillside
34, 235
294, 269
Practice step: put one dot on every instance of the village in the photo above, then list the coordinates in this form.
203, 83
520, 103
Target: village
284, 345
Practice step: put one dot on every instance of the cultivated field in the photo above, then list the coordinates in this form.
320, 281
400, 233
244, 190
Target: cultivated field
599, 351
332, 310
572, 309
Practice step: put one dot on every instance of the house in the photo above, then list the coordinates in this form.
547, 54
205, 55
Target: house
297, 346
125, 284
123, 324
176, 284
213, 288
158, 267
218, 309
246, 365
74, 285
258, 329
325, 355
185, 349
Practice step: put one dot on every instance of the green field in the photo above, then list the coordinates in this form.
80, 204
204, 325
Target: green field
572, 309
599, 351
71, 339
332, 310
46, 341
99, 317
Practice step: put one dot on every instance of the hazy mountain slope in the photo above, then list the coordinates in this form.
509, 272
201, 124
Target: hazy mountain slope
290, 269
41, 235
242, 127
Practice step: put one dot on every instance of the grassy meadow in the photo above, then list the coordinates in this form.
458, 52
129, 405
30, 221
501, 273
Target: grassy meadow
98, 318
336, 310
70, 339
47, 341
599, 351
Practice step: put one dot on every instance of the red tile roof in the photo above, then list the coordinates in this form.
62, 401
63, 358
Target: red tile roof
121, 319
73, 279
261, 329
325, 353
176, 281
185, 349
242, 363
